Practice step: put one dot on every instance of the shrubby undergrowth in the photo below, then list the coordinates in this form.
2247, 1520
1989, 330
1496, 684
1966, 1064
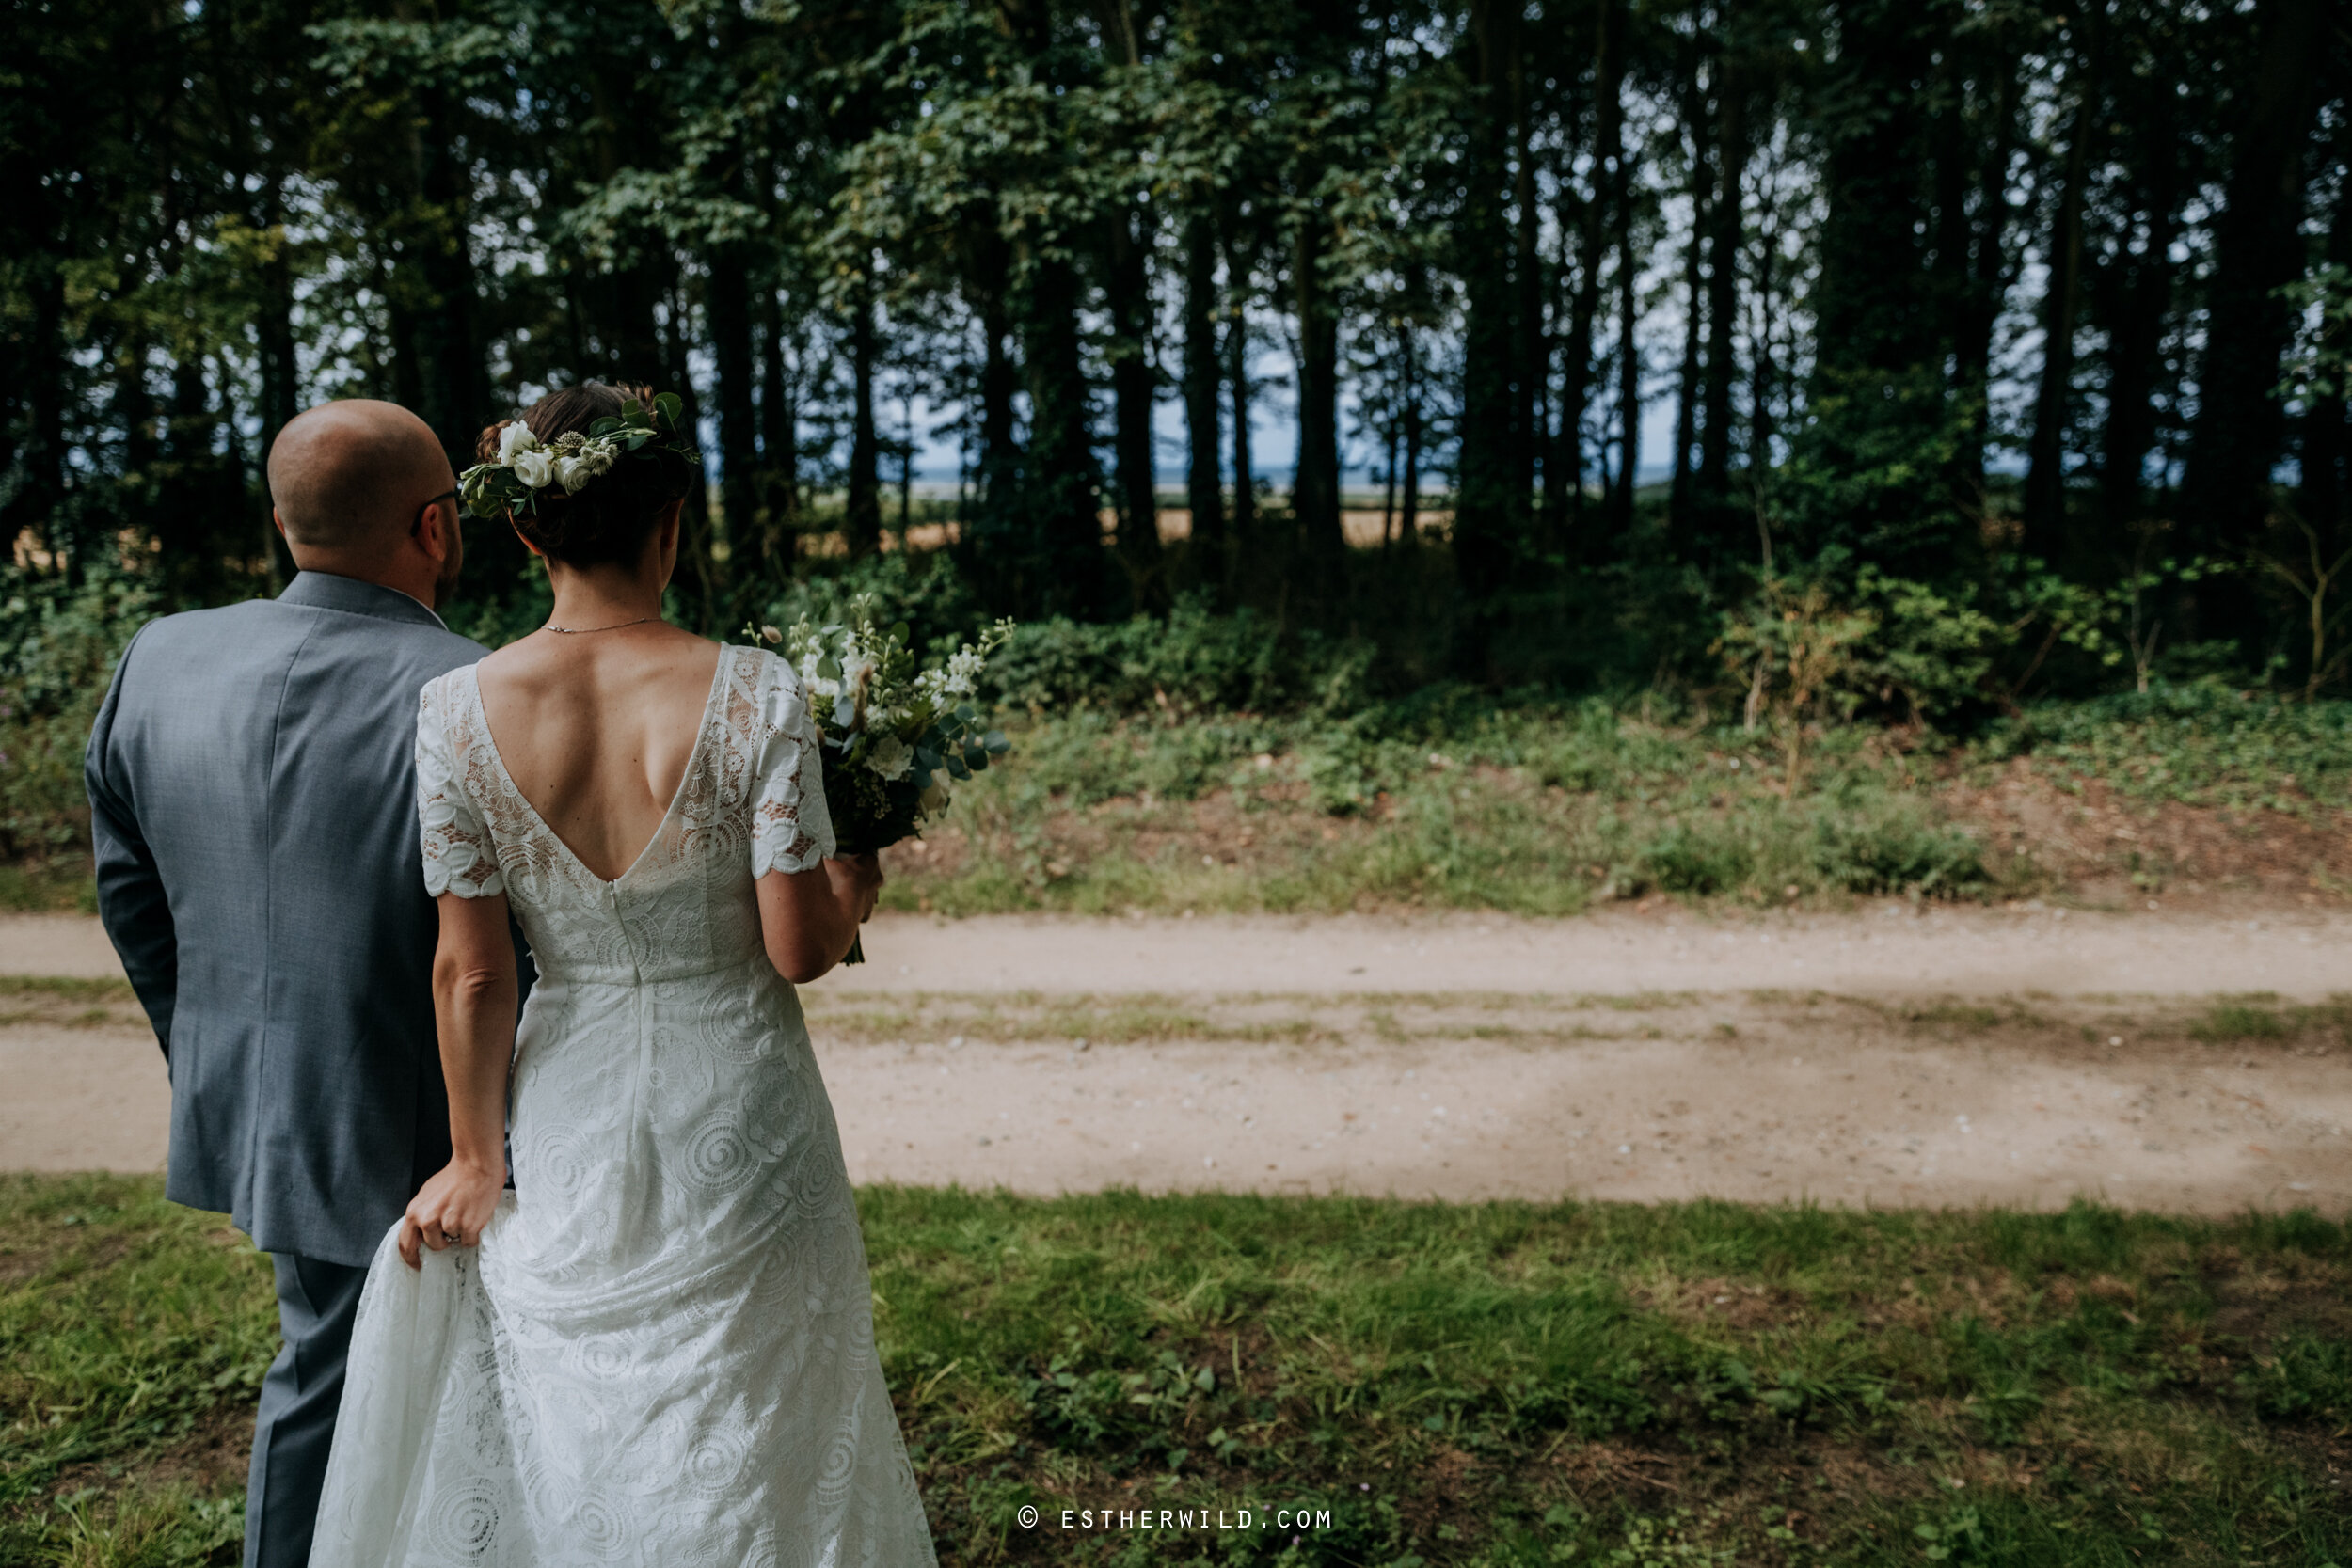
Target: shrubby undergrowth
59, 643
1315, 773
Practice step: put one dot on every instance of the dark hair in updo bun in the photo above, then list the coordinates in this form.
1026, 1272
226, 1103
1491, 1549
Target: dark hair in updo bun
611, 520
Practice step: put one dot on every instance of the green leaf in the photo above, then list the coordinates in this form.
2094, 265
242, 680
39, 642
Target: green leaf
671, 405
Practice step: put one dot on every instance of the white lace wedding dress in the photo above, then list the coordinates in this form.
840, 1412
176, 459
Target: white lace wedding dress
662, 1353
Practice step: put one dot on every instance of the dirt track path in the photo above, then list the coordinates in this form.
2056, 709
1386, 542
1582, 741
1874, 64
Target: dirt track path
2019, 1057
1882, 950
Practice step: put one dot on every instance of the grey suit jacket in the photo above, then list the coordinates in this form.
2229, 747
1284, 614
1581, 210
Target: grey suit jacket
252, 785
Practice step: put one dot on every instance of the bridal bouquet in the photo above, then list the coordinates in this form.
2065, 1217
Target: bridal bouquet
898, 733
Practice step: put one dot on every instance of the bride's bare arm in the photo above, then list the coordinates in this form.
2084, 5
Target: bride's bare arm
473, 1004
809, 918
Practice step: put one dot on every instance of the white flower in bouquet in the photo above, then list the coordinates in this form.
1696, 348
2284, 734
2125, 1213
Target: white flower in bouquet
890, 756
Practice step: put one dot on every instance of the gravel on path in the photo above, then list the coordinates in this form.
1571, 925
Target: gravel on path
1755, 1097
1885, 949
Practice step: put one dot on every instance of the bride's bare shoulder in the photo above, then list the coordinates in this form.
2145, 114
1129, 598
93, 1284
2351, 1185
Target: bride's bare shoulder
548, 664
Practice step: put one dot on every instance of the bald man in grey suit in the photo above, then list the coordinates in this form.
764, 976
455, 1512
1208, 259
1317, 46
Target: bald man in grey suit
253, 799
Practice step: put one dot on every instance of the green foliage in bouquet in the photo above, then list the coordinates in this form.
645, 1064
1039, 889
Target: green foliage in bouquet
898, 733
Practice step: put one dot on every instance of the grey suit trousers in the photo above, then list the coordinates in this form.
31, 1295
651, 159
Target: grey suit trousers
317, 1305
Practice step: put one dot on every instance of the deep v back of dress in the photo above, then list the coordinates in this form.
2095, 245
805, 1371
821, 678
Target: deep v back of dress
662, 1351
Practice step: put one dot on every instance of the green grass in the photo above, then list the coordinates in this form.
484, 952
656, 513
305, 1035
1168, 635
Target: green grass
1536, 810
60, 885
2263, 1016
2202, 745
1504, 1385
1454, 800
1547, 808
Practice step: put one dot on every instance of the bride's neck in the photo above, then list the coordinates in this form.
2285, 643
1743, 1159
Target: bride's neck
601, 595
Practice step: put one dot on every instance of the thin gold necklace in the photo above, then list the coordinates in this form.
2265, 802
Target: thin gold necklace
575, 631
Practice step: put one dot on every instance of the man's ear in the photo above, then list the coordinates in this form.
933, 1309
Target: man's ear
430, 532
280, 524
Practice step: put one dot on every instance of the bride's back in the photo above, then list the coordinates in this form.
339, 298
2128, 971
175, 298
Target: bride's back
597, 727
596, 717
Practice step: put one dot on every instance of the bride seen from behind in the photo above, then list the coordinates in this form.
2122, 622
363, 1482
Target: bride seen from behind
659, 1346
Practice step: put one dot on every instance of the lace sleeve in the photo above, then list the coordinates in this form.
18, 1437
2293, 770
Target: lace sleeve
791, 829
459, 857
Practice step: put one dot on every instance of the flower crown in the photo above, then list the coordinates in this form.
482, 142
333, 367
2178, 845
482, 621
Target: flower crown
527, 465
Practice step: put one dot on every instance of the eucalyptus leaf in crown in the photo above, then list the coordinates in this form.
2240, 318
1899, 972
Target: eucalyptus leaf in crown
898, 733
572, 460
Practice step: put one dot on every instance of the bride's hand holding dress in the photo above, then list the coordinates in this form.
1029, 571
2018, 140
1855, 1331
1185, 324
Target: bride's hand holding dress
808, 920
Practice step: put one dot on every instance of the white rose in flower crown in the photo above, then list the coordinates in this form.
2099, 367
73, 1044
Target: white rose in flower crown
573, 472
534, 468
514, 439
890, 757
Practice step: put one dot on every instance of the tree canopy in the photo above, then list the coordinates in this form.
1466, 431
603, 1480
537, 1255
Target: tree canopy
2006, 300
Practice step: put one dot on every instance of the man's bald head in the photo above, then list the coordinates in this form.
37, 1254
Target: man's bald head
349, 477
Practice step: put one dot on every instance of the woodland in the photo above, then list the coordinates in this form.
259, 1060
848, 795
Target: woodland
2000, 344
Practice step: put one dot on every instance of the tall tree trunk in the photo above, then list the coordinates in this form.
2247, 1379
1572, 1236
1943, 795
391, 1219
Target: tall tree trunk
2256, 248
1679, 508
1531, 367
1063, 572
1316, 487
999, 455
1761, 372
457, 383
281, 370
1491, 494
1726, 243
1408, 520
2045, 452
1629, 378
1874, 317
733, 355
1203, 486
779, 445
1247, 543
2141, 295
2323, 436
1988, 270
1131, 397
695, 553
1388, 439
1609, 183
2325, 439
861, 516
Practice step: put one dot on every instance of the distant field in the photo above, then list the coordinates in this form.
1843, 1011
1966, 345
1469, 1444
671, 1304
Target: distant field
1502, 1385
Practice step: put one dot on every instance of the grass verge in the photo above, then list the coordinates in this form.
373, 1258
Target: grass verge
1503, 1386
1451, 799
